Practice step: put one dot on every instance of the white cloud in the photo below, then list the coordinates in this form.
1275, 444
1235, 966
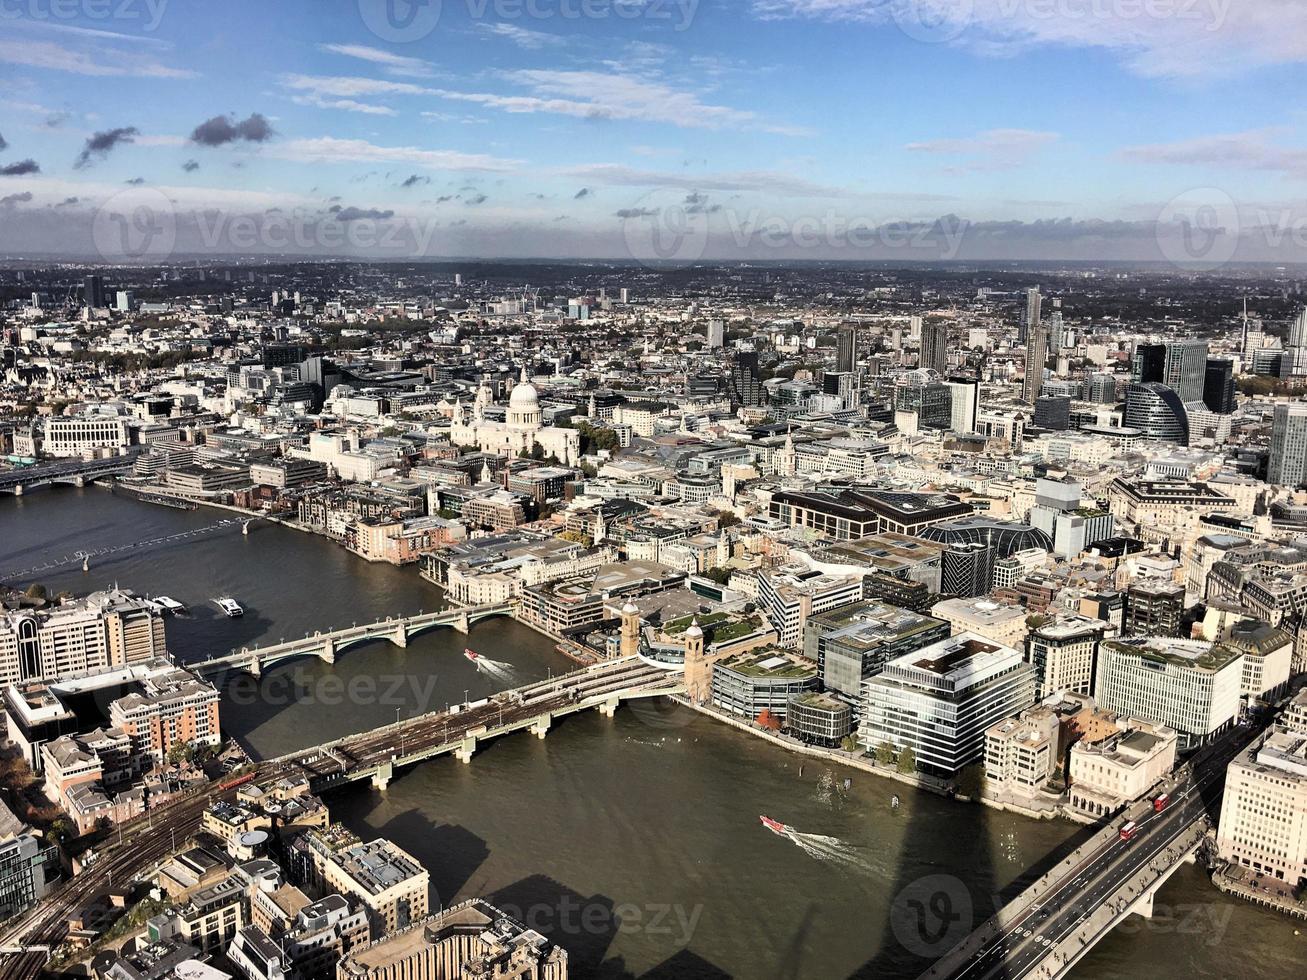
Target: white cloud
347, 105
46, 54
396, 64
1159, 38
332, 149
349, 86
1252, 150
994, 149
523, 38
752, 180
611, 95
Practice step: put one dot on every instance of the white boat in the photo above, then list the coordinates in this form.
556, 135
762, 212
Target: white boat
229, 606
166, 604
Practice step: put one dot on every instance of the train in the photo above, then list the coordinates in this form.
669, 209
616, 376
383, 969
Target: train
238, 781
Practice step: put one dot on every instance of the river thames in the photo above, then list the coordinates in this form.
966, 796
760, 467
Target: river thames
633, 841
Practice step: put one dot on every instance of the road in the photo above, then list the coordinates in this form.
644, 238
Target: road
1023, 945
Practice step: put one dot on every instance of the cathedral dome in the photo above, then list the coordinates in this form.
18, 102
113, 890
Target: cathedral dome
524, 398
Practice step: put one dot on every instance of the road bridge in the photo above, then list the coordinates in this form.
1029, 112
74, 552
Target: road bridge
74, 472
1050, 926
326, 645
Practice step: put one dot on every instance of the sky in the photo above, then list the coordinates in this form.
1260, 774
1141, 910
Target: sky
656, 130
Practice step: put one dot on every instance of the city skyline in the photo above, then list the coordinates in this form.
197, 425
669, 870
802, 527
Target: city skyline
773, 129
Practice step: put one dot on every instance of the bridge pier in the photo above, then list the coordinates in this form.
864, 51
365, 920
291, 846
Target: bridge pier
465, 749
79, 480
18, 490
461, 624
382, 777
400, 636
328, 653
254, 668
609, 708
540, 727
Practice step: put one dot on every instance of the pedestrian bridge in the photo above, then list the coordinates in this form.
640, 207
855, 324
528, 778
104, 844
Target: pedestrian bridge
325, 646
74, 472
376, 755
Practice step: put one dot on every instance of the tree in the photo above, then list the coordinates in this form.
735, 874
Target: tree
769, 721
971, 781
727, 518
884, 753
36, 591
907, 760
849, 744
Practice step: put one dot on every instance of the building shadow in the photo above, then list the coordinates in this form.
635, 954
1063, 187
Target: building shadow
935, 904
685, 965
584, 925
450, 852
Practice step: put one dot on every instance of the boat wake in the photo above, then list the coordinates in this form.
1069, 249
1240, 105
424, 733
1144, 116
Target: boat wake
831, 850
498, 669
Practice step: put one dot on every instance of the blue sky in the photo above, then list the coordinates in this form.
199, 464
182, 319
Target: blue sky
565, 127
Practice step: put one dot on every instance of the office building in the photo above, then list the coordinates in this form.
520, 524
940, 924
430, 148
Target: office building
1263, 823
1218, 386
787, 596
1181, 365
389, 881
940, 700
1157, 412
472, 939
1052, 412
1021, 753
1031, 319
716, 334
1187, 685
746, 382
1005, 624
1106, 773
934, 345
1288, 462
1070, 525
1153, 607
818, 719
755, 681
846, 512
964, 404
105, 629
846, 349
853, 642
1036, 358
1064, 653
93, 293
26, 865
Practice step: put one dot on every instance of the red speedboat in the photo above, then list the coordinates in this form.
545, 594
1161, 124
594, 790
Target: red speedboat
472, 656
775, 826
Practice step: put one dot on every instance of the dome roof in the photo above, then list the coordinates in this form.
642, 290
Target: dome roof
629, 608
524, 397
693, 630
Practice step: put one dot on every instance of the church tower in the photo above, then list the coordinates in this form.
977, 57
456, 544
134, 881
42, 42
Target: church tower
785, 458
698, 672
630, 645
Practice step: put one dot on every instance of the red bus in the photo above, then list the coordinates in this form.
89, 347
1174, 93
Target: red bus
1160, 803
1130, 831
